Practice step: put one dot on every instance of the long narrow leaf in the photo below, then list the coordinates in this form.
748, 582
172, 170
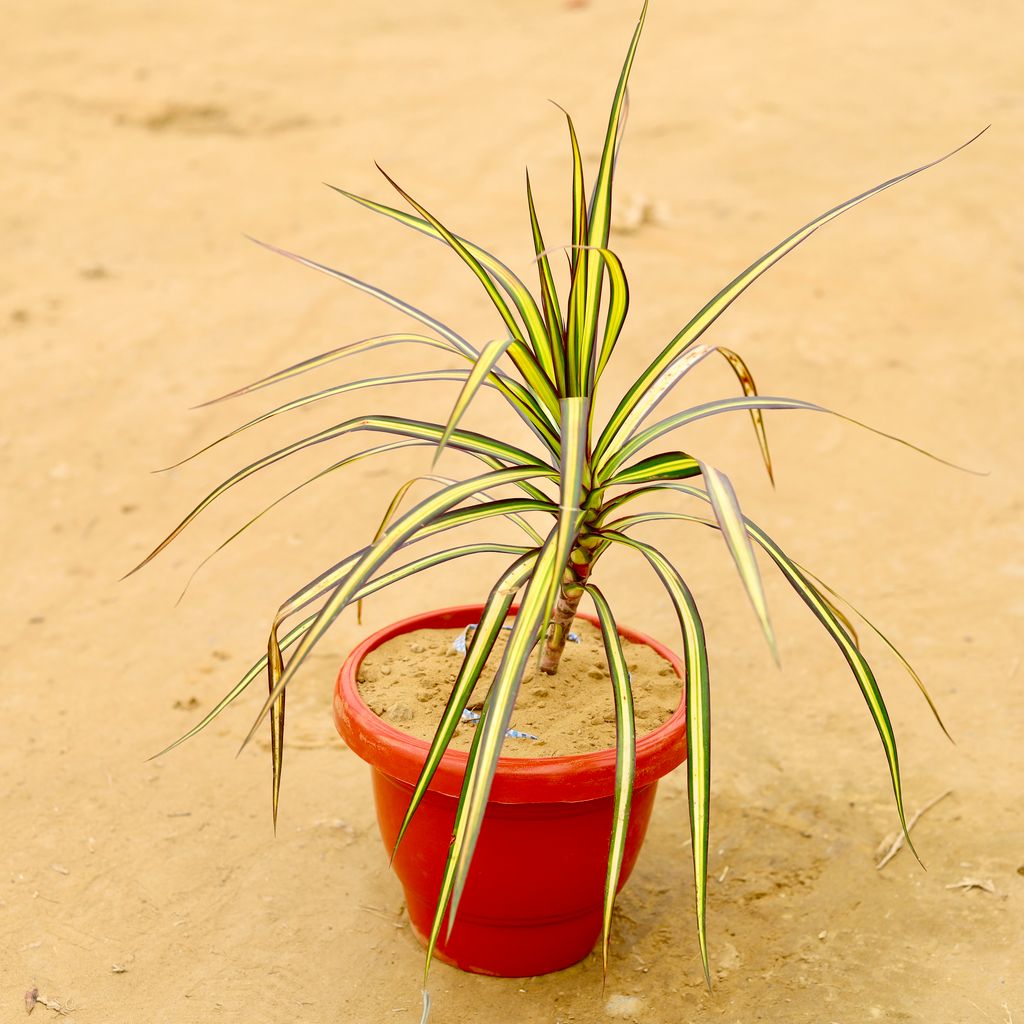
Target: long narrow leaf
727, 511
721, 302
493, 724
463, 440
615, 459
823, 611
625, 759
667, 380
477, 378
492, 619
422, 377
575, 415
274, 669
342, 352
535, 420
530, 365
911, 671
599, 220
530, 620
549, 294
698, 724
665, 466
746, 379
374, 586
509, 281
393, 538
331, 578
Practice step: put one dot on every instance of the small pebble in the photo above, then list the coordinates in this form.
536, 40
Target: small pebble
624, 1006
400, 713
416, 648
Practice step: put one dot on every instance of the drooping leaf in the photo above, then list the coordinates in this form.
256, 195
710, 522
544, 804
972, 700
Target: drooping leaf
529, 622
625, 759
698, 723
911, 671
746, 379
463, 440
423, 377
375, 585
274, 668
730, 519
823, 611
640, 441
342, 352
375, 555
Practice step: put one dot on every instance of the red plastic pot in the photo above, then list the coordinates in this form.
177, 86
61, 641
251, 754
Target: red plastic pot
532, 902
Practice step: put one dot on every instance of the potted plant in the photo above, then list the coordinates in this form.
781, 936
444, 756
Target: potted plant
473, 833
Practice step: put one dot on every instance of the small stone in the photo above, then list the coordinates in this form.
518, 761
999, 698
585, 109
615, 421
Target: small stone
624, 1006
400, 713
595, 673
385, 670
540, 692
416, 648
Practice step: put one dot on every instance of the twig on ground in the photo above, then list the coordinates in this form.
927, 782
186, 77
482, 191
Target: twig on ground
900, 840
34, 999
966, 883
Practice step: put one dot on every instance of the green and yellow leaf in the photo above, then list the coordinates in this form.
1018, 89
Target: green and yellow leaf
625, 760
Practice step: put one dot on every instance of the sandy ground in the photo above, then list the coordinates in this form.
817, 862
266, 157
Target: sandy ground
141, 139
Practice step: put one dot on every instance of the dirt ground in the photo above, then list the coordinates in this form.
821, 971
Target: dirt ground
141, 139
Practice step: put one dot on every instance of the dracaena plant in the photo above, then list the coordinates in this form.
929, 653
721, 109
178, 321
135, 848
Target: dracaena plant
567, 491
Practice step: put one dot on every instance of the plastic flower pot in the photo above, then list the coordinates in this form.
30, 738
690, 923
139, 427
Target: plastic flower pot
532, 902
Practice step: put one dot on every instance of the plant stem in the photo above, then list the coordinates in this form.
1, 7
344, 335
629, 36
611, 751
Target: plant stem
570, 591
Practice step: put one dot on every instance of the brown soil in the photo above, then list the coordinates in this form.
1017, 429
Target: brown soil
407, 682
140, 140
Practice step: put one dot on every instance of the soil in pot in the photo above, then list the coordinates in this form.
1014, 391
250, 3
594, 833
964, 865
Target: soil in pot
408, 680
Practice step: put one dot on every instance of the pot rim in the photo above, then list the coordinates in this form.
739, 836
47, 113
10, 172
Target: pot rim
518, 779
